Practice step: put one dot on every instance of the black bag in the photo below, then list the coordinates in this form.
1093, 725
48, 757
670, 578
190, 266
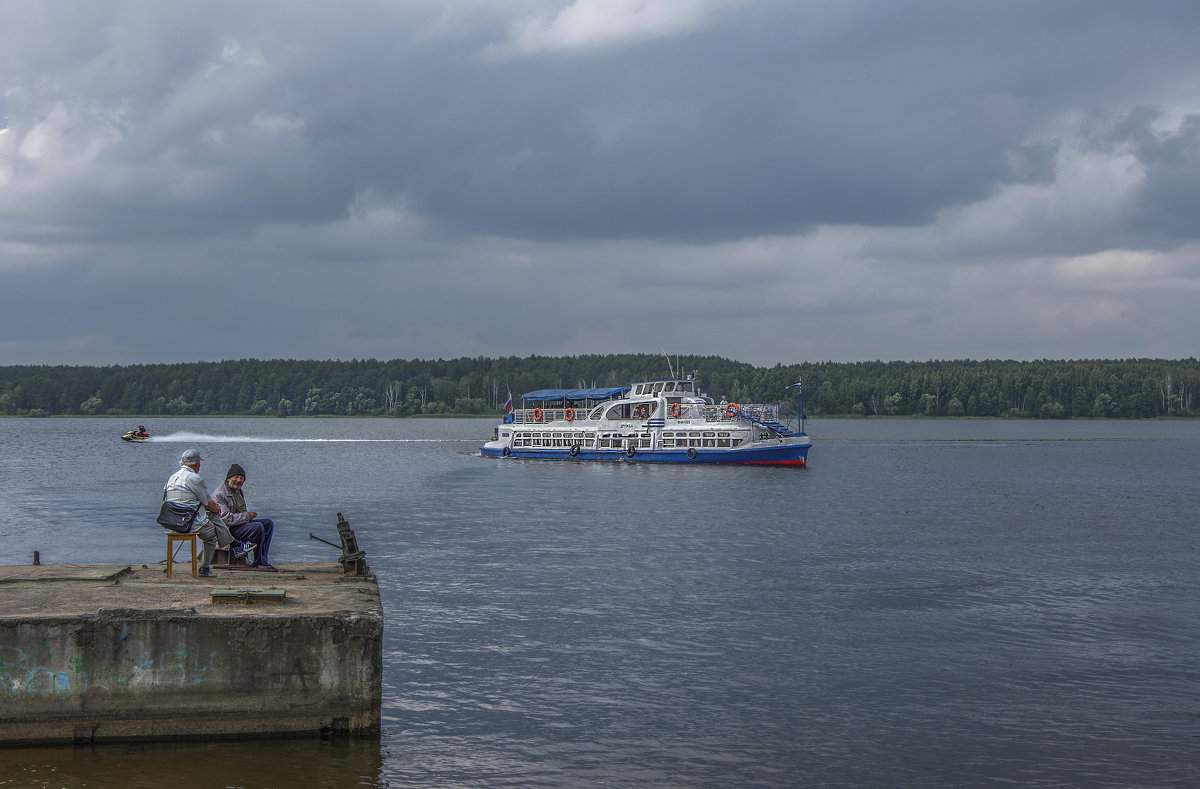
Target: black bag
175, 516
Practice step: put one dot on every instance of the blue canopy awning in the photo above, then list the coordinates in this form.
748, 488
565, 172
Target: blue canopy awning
546, 395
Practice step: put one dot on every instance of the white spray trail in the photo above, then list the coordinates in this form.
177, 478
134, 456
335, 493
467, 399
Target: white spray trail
184, 436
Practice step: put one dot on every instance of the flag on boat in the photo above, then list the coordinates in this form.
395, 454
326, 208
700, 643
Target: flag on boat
508, 409
798, 384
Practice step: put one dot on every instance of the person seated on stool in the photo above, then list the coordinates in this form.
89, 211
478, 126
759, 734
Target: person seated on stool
244, 524
187, 487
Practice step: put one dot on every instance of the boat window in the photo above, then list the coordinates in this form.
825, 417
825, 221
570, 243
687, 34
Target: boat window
722, 442
694, 435
737, 441
722, 434
618, 411
670, 387
596, 412
709, 442
658, 387
707, 435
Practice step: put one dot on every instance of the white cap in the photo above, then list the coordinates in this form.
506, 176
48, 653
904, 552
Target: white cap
189, 457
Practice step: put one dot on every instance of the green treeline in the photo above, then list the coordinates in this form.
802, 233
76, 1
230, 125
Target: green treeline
1130, 388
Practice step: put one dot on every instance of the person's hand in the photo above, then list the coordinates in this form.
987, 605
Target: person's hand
253, 515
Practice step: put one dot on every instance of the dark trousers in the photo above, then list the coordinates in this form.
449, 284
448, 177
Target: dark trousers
258, 531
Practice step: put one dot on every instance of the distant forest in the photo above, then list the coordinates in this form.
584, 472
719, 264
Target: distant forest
1130, 388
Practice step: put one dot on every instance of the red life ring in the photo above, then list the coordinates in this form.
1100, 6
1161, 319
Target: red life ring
570, 414
537, 415
676, 410
732, 409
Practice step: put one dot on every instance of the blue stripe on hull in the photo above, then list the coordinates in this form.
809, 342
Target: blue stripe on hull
780, 456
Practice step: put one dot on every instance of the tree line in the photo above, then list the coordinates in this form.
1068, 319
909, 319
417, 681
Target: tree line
1045, 389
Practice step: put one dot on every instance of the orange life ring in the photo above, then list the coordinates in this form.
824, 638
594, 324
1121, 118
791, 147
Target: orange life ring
676, 410
537, 415
732, 409
570, 414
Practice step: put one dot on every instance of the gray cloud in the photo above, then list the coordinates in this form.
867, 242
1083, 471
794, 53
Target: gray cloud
771, 181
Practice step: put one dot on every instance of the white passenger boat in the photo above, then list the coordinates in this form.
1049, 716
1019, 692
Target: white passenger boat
666, 421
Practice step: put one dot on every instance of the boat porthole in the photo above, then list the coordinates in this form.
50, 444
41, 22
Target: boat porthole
691, 453
574, 450
506, 452
631, 451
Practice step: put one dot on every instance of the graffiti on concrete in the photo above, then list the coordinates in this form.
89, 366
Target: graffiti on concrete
35, 669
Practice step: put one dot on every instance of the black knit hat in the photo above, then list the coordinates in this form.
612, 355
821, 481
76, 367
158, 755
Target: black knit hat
235, 471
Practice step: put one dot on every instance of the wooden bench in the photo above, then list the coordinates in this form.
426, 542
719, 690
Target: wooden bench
174, 541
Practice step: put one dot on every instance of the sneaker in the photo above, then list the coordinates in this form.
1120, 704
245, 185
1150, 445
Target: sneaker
240, 549
204, 572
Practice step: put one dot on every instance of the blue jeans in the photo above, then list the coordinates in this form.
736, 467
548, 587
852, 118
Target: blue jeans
259, 532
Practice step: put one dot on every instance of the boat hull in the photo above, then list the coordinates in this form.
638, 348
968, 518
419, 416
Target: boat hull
781, 455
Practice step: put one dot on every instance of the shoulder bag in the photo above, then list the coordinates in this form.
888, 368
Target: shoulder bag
175, 516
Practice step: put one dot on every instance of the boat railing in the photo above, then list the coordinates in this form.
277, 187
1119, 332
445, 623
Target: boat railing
750, 412
761, 413
537, 416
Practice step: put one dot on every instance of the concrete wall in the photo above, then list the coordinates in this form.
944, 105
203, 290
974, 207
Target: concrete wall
124, 673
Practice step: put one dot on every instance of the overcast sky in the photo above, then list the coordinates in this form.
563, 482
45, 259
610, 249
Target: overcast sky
766, 180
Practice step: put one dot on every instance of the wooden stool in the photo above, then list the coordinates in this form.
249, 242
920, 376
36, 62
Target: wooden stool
173, 540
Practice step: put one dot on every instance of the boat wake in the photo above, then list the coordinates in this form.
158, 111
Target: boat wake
197, 438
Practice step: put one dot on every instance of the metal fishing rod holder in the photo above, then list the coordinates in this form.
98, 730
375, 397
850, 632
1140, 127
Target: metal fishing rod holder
354, 561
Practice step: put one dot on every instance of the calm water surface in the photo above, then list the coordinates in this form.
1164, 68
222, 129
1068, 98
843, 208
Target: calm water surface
930, 603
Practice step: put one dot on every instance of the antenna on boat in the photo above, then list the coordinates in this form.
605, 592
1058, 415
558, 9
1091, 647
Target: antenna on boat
799, 387
670, 369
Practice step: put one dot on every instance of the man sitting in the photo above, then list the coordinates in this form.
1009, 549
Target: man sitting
187, 487
244, 524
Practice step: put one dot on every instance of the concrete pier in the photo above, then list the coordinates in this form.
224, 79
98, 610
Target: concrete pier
115, 652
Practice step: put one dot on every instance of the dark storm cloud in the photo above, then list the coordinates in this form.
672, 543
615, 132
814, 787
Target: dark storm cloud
419, 178
1167, 200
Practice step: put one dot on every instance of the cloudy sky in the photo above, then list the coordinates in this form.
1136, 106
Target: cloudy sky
766, 180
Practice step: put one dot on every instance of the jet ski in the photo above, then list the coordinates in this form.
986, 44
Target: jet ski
135, 435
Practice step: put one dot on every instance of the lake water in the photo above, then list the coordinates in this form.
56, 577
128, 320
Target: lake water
930, 603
